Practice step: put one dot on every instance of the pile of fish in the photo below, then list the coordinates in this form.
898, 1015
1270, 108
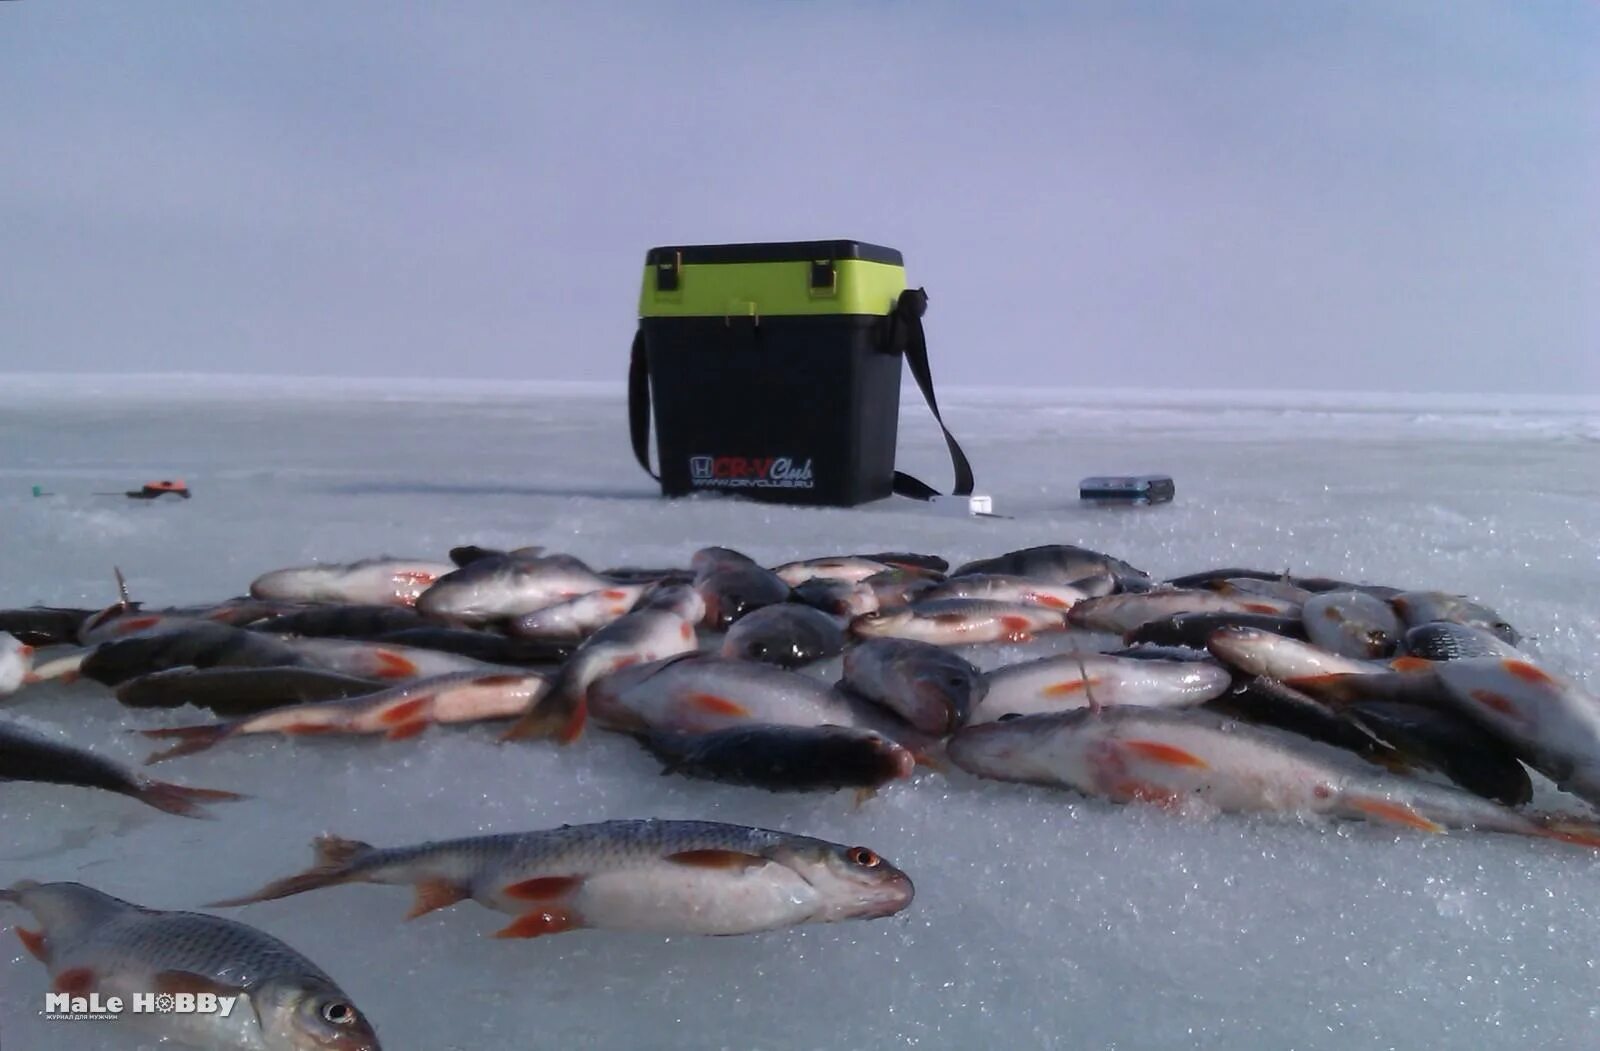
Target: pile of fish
1229, 690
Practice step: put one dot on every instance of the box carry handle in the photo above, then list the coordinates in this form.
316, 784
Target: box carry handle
905, 337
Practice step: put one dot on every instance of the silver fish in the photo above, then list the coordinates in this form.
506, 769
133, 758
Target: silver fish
341, 621
641, 636
44, 625
699, 693
1352, 624
270, 998
381, 660
846, 568
1196, 758
1283, 590
1550, 723
931, 688
27, 756
787, 635
732, 585
660, 877
397, 713
1423, 607
784, 758
1059, 564
1442, 640
577, 617
1055, 684
681, 599
900, 586
1001, 588
240, 691
837, 597
138, 624
956, 622
508, 585
1256, 652
195, 644
374, 581
1123, 613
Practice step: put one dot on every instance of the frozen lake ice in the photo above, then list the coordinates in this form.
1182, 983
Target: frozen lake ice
1041, 919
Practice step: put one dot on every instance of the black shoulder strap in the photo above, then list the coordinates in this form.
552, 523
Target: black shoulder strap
906, 337
639, 404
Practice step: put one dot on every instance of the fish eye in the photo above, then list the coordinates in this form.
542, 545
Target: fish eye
337, 1012
863, 857
758, 649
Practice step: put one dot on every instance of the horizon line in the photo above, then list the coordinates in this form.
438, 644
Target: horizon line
189, 384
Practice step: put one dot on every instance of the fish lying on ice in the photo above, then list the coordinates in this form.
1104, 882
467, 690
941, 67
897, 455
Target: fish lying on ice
342, 621
1443, 640
1467, 754
784, 758
577, 618
1060, 564
700, 693
502, 585
677, 597
44, 625
848, 569
1423, 607
240, 691
788, 635
1195, 629
1196, 758
270, 998
957, 622
733, 584
641, 636
837, 597
373, 581
479, 645
931, 688
196, 644
27, 756
659, 877
1551, 723
1121, 614
1002, 588
1054, 684
1256, 652
396, 713
379, 660
1352, 624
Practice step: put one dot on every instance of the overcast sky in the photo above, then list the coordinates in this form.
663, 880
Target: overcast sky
1393, 196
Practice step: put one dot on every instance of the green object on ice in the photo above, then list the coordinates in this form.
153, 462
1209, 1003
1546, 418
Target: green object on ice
38, 490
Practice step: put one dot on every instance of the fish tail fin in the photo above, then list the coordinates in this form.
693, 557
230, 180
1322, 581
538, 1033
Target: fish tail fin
191, 739
337, 861
180, 799
560, 713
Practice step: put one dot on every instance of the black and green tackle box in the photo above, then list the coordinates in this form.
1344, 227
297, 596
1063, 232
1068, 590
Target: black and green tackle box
774, 371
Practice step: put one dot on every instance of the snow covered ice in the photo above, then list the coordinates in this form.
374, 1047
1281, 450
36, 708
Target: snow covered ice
1041, 919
